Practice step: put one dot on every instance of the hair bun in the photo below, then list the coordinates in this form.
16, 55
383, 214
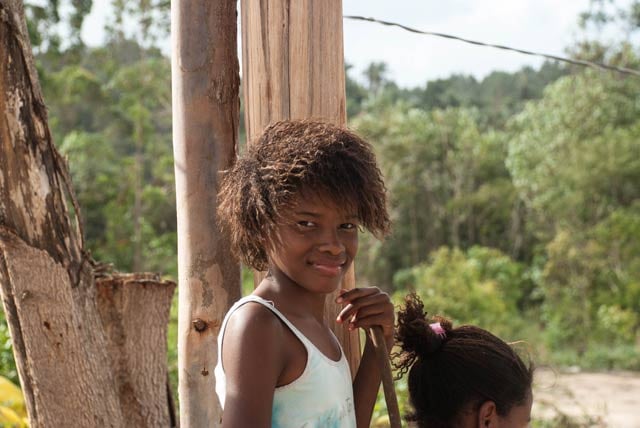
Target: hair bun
415, 333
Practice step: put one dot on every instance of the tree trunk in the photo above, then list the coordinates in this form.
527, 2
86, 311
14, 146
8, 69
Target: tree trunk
293, 67
59, 343
47, 283
46, 277
205, 82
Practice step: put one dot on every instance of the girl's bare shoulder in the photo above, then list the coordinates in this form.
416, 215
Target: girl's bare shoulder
253, 322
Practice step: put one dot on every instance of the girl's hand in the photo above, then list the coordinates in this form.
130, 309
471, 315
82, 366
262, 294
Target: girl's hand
367, 307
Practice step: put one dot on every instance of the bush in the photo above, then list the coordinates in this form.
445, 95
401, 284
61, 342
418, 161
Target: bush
7, 363
12, 409
590, 284
482, 286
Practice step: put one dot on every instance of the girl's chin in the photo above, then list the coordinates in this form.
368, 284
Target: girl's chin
328, 285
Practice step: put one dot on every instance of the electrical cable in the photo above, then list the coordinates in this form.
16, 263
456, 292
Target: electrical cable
580, 62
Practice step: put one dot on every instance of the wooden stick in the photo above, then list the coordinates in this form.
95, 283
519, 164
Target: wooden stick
380, 345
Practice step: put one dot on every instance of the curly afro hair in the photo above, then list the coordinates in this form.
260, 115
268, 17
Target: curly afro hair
291, 158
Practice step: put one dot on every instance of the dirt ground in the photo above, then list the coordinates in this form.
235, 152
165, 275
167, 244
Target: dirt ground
609, 400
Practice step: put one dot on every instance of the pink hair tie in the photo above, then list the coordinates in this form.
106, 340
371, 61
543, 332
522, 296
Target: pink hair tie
437, 329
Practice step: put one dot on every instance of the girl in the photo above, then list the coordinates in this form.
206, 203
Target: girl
293, 205
462, 377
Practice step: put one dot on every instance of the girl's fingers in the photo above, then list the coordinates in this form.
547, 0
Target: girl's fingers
356, 305
380, 319
355, 293
365, 311
365, 308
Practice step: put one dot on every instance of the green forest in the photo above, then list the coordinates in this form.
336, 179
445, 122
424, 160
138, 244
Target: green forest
515, 199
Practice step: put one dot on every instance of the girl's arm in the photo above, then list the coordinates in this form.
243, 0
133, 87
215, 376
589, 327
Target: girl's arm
366, 307
252, 358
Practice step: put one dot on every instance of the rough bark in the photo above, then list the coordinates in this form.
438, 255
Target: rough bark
205, 84
293, 67
46, 277
59, 344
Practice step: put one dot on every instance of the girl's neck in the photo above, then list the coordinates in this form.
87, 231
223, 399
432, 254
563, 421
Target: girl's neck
291, 298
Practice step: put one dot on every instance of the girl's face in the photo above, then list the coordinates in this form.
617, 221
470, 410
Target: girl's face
315, 244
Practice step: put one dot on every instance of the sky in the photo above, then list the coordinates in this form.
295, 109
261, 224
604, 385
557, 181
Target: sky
547, 26
537, 25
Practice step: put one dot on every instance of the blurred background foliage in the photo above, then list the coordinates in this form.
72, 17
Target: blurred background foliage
515, 199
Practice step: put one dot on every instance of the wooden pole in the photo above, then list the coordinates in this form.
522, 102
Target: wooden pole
382, 354
205, 83
293, 67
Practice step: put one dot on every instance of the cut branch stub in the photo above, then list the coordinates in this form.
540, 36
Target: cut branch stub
134, 309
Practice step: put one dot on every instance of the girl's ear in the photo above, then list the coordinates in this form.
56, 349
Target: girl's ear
488, 415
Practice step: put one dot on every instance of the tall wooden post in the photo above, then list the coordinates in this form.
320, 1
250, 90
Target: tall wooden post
205, 82
293, 67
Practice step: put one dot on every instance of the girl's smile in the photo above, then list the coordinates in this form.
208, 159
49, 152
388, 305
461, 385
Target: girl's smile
328, 265
329, 269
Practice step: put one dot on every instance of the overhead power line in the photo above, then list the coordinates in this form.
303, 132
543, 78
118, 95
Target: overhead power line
580, 62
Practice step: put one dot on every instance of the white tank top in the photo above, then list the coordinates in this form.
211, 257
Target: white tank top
321, 397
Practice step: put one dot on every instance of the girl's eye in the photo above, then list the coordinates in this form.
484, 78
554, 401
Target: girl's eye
349, 226
305, 224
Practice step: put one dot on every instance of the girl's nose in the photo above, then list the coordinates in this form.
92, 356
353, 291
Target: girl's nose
331, 243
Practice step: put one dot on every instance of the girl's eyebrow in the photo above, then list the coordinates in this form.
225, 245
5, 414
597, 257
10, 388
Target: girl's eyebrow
307, 213
349, 217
